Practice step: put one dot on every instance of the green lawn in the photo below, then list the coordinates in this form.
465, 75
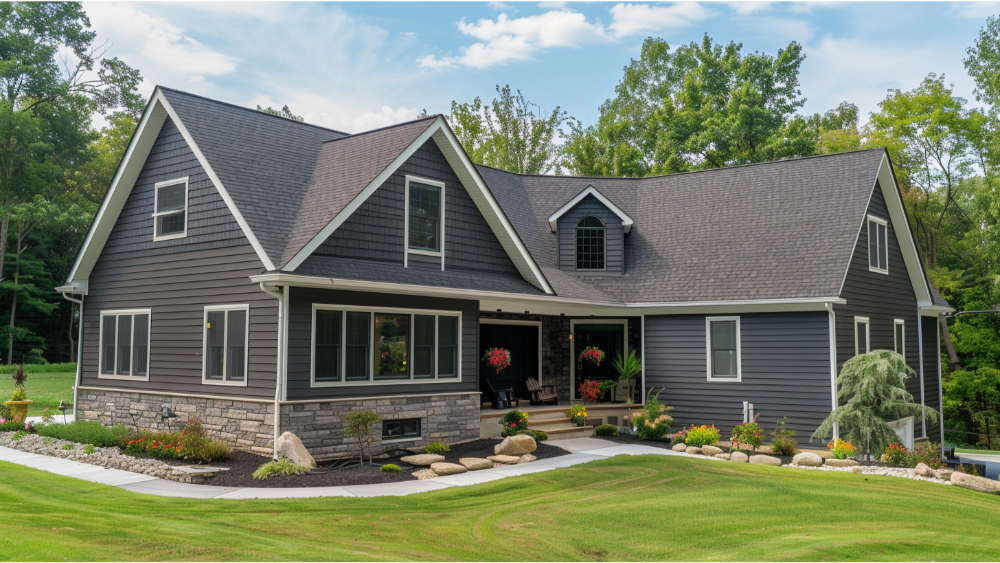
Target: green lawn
625, 508
45, 389
972, 451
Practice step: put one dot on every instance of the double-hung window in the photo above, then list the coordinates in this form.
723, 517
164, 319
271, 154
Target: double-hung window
226, 344
878, 245
170, 209
899, 336
424, 216
723, 338
862, 336
383, 345
124, 347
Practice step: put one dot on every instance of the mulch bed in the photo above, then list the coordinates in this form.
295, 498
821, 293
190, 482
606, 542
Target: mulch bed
242, 465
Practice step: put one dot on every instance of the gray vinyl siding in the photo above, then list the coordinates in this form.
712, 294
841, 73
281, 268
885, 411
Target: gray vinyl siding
300, 343
375, 231
424, 261
785, 371
176, 279
880, 297
932, 391
614, 235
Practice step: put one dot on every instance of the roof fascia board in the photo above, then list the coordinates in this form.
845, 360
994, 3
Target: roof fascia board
590, 190
218, 184
121, 186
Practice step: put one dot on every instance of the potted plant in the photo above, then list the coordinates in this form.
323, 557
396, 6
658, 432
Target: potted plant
592, 355
627, 368
590, 391
19, 401
577, 413
497, 358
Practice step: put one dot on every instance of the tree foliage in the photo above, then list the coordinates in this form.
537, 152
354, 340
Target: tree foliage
283, 112
972, 407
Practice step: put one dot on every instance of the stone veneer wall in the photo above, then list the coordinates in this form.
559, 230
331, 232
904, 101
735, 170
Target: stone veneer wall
448, 418
245, 425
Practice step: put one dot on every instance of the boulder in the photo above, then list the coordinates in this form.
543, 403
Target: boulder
518, 445
922, 470
723, 455
841, 462
692, 450
526, 459
504, 459
807, 459
943, 474
447, 468
424, 474
422, 459
475, 463
679, 447
738, 456
981, 484
710, 450
761, 459
290, 447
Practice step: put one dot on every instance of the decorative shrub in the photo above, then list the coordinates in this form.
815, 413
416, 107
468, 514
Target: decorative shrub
928, 454
359, 425
10, 425
89, 449
165, 445
592, 355
895, 454
679, 437
497, 358
280, 467
606, 430
703, 435
68, 446
20, 435
196, 446
747, 436
513, 422
538, 435
577, 413
842, 449
39, 368
589, 391
782, 441
85, 432
652, 423
390, 468
438, 448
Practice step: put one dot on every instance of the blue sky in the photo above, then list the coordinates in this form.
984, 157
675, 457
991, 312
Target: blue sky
356, 66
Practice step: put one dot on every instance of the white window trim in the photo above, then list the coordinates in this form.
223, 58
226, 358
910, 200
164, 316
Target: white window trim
900, 323
225, 347
884, 223
708, 350
156, 200
406, 221
576, 259
868, 334
100, 341
371, 311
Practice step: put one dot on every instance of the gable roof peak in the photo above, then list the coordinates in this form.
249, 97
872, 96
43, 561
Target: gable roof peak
590, 191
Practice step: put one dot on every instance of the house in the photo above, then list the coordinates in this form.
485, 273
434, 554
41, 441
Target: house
268, 275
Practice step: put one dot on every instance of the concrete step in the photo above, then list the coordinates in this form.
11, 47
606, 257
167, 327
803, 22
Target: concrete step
548, 421
573, 432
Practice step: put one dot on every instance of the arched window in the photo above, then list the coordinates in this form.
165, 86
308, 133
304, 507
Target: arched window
590, 244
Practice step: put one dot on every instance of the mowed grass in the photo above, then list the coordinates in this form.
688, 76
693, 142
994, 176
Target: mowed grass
45, 389
972, 451
624, 508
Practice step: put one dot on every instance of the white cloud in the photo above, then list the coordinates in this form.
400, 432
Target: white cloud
501, 7
632, 19
975, 10
748, 8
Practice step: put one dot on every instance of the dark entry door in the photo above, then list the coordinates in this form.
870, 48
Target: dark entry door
610, 338
522, 342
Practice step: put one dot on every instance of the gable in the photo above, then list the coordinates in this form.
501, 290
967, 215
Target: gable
614, 234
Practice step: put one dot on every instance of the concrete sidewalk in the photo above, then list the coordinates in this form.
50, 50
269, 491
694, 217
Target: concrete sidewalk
582, 450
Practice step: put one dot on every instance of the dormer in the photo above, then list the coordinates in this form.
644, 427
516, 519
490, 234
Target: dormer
590, 233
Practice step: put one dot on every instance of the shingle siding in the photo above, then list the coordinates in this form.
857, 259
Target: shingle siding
177, 278
785, 370
932, 362
614, 235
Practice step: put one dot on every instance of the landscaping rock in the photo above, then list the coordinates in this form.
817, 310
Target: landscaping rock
475, 463
738, 456
723, 455
422, 474
504, 459
944, 474
422, 459
518, 445
290, 447
981, 484
710, 450
841, 462
761, 459
807, 459
447, 468
679, 447
692, 450
528, 458
923, 470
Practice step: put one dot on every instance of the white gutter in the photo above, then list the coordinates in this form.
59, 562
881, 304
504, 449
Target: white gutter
280, 296
79, 349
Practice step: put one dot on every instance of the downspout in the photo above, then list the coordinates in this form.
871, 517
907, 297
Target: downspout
833, 365
920, 348
940, 386
280, 296
642, 354
79, 349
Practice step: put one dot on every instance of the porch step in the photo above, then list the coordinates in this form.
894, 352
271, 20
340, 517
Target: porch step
570, 431
532, 422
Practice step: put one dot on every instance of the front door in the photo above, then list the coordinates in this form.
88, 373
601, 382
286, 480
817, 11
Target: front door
610, 338
522, 343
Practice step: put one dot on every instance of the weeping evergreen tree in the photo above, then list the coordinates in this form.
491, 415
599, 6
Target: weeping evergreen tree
871, 390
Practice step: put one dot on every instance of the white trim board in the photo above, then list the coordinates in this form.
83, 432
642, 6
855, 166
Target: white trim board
590, 190
708, 351
225, 309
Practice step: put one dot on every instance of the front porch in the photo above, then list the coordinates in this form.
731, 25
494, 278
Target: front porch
552, 419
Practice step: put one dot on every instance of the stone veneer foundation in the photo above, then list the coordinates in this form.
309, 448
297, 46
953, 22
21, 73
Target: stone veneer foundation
249, 425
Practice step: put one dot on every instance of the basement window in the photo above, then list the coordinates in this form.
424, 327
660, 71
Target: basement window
170, 209
401, 429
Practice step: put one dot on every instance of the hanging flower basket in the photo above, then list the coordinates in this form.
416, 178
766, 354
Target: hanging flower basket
592, 355
497, 358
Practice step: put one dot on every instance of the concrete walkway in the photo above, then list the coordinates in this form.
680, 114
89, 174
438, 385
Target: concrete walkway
582, 450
